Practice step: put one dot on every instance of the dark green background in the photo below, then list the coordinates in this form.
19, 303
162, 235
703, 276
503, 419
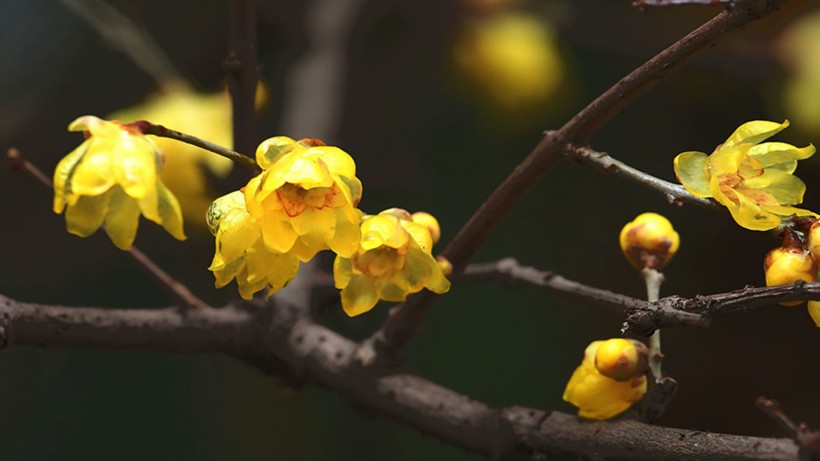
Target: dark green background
423, 140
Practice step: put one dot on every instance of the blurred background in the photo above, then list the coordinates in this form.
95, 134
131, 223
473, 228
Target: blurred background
437, 102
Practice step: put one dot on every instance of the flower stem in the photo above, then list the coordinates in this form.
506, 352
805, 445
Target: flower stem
174, 287
653, 280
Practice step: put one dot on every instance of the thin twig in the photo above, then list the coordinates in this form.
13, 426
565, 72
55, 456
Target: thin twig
134, 42
674, 193
174, 287
653, 280
147, 127
279, 341
242, 66
406, 319
808, 439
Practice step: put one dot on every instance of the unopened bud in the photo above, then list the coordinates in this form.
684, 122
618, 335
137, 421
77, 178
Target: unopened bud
649, 242
431, 223
445, 265
813, 241
622, 359
786, 265
814, 312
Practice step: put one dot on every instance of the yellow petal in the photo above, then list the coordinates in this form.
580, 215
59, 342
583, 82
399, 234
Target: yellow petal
772, 153
87, 215
337, 160
62, 175
691, 171
788, 210
272, 149
359, 296
754, 132
134, 159
751, 216
170, 214
785, 188
342, 272
277, 232
346, 235
95, 172
122, 220
814, 312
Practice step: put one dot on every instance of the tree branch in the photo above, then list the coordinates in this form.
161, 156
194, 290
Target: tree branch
242, 66
280, 341
406, 319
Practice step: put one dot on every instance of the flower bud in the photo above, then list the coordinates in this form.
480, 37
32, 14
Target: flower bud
786, 265
427, 220
814, 312
649, 242
445, 265
622, 359
813, 241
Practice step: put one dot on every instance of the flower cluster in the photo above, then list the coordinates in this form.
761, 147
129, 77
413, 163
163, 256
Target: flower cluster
754, 181
110, 179
393, 260
611, 377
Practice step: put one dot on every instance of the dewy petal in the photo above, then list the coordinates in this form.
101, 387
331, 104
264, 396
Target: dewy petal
62, 176
87, 215
691, 169
772, 153
122, 220
359, 296
754, 132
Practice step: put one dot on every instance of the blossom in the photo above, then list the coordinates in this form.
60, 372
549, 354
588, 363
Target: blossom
393, 260
649, 241
240, 252
110, 179
305, 199
754, 181
598, 396
201, 114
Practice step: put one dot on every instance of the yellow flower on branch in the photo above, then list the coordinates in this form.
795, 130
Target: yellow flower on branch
393, 260
598, 396
754, 181
110, 179
305, 199
240, 253
201, 114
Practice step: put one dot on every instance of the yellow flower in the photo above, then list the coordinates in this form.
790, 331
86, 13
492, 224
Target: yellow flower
754, 181
513, 57
786, 265
649, 241
394, 260
306, 198
598, 396
204, 115
111, 178
240, 252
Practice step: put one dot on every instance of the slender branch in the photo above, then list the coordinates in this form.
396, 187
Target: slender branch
242, 66
674, 193
653, 280
406, 319
281, 342
134, 42
158, 130
809, 440
174, 287
643, 320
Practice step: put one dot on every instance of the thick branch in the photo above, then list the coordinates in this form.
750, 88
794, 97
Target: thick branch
279, 341
402, 325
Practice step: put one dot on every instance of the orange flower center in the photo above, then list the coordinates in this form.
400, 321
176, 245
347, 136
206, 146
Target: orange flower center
296, 200
380, 261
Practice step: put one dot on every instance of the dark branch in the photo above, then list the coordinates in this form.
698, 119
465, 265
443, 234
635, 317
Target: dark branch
280, 341
402, 325
242, 66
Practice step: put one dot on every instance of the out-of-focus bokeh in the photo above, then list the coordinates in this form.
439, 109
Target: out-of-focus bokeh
430, 132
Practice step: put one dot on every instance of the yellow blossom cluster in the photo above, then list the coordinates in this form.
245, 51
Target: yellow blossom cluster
796, 260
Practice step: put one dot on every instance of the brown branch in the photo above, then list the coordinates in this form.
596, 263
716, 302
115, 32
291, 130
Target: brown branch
279, 341
242, 66
643, 320
674, 193
807, 439
405, 320
147, 127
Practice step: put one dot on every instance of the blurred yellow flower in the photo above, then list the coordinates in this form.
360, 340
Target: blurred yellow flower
306, 198
513, 58
240, 252
754, 181
110, 179
799, 45
598, 396
394, 260
204, 115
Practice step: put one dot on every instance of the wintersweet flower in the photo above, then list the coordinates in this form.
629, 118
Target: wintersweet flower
306, 198
240, 253
788, 264
207, 115
754, 181
110, 179
598, 396
394, 260
649, 241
